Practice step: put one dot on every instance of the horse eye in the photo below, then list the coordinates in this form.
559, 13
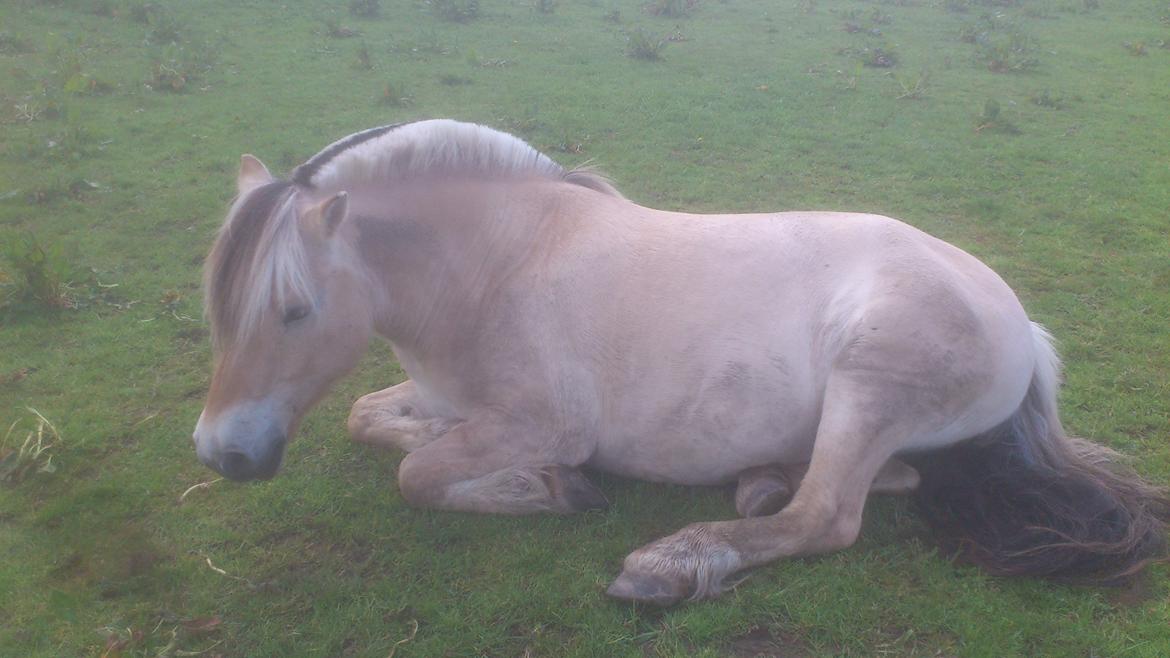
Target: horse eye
295, 313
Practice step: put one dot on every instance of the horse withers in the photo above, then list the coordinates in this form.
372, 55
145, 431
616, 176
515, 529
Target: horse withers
547, 323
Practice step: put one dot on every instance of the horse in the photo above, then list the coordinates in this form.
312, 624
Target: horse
549, 326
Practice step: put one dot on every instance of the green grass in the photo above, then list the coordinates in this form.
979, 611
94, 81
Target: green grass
763, 105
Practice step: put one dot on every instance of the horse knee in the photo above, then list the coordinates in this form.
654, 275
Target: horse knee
358, 423
362, 417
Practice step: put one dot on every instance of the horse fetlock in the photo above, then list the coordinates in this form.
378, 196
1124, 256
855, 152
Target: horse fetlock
692, 563
841, 532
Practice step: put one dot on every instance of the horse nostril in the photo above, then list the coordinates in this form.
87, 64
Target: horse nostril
237, 466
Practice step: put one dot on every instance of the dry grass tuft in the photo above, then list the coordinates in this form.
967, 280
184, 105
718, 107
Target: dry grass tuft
33, 454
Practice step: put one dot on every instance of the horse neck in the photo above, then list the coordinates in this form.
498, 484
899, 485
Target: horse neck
437, 252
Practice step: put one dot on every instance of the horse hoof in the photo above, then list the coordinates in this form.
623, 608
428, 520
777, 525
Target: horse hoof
575, 490
647, 588
762, 492
587, 499
761, 502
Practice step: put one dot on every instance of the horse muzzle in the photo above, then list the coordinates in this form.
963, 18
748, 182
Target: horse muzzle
242, 450
241, 465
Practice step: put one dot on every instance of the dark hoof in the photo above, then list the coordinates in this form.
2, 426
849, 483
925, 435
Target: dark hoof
762, 492
647, 588
570, 486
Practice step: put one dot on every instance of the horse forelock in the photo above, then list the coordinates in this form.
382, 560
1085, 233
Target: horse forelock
258, 260
436, 146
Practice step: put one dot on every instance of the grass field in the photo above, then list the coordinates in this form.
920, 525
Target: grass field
1033, 133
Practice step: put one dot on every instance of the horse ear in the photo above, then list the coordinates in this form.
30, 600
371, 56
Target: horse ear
333, 211
253, 174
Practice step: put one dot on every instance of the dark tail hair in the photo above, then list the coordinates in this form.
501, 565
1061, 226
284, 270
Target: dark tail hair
1026, 499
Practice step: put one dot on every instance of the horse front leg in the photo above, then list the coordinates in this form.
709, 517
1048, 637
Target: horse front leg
395, 418
494, 466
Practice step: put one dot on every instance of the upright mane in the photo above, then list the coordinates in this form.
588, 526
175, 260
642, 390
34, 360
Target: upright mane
436, 146
258, 257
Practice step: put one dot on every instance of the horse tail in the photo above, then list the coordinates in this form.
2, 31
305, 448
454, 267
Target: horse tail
1026, 499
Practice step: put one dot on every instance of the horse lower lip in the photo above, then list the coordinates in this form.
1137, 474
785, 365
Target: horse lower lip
264, 475
264, 471
267, 474
237, 478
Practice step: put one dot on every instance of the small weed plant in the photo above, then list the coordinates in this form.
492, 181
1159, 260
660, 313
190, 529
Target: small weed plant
175, 68
1002, 46
991, 119
880, 58
38, 276
913, 88
335, 30
640, 44
365, 8
10, 44
1045, 98
364, 61
1137, 48
672, 8
103, 8
163, 29
168, 75
143, 12
394, 95
872, 57
879, 17
456, 11
70, 75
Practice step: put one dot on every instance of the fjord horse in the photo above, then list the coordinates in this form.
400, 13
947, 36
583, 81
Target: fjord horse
548, 324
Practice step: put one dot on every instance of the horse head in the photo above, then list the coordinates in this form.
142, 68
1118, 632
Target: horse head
288, 306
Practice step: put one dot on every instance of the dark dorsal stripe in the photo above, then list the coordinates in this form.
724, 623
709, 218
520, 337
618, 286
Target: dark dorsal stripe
303, 175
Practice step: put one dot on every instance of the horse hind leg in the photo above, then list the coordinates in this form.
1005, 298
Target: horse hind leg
391, 418
856, 437
765, 490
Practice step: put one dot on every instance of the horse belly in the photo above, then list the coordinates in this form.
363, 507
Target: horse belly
711, 433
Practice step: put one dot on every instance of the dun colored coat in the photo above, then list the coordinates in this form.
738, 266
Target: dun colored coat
549, 324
